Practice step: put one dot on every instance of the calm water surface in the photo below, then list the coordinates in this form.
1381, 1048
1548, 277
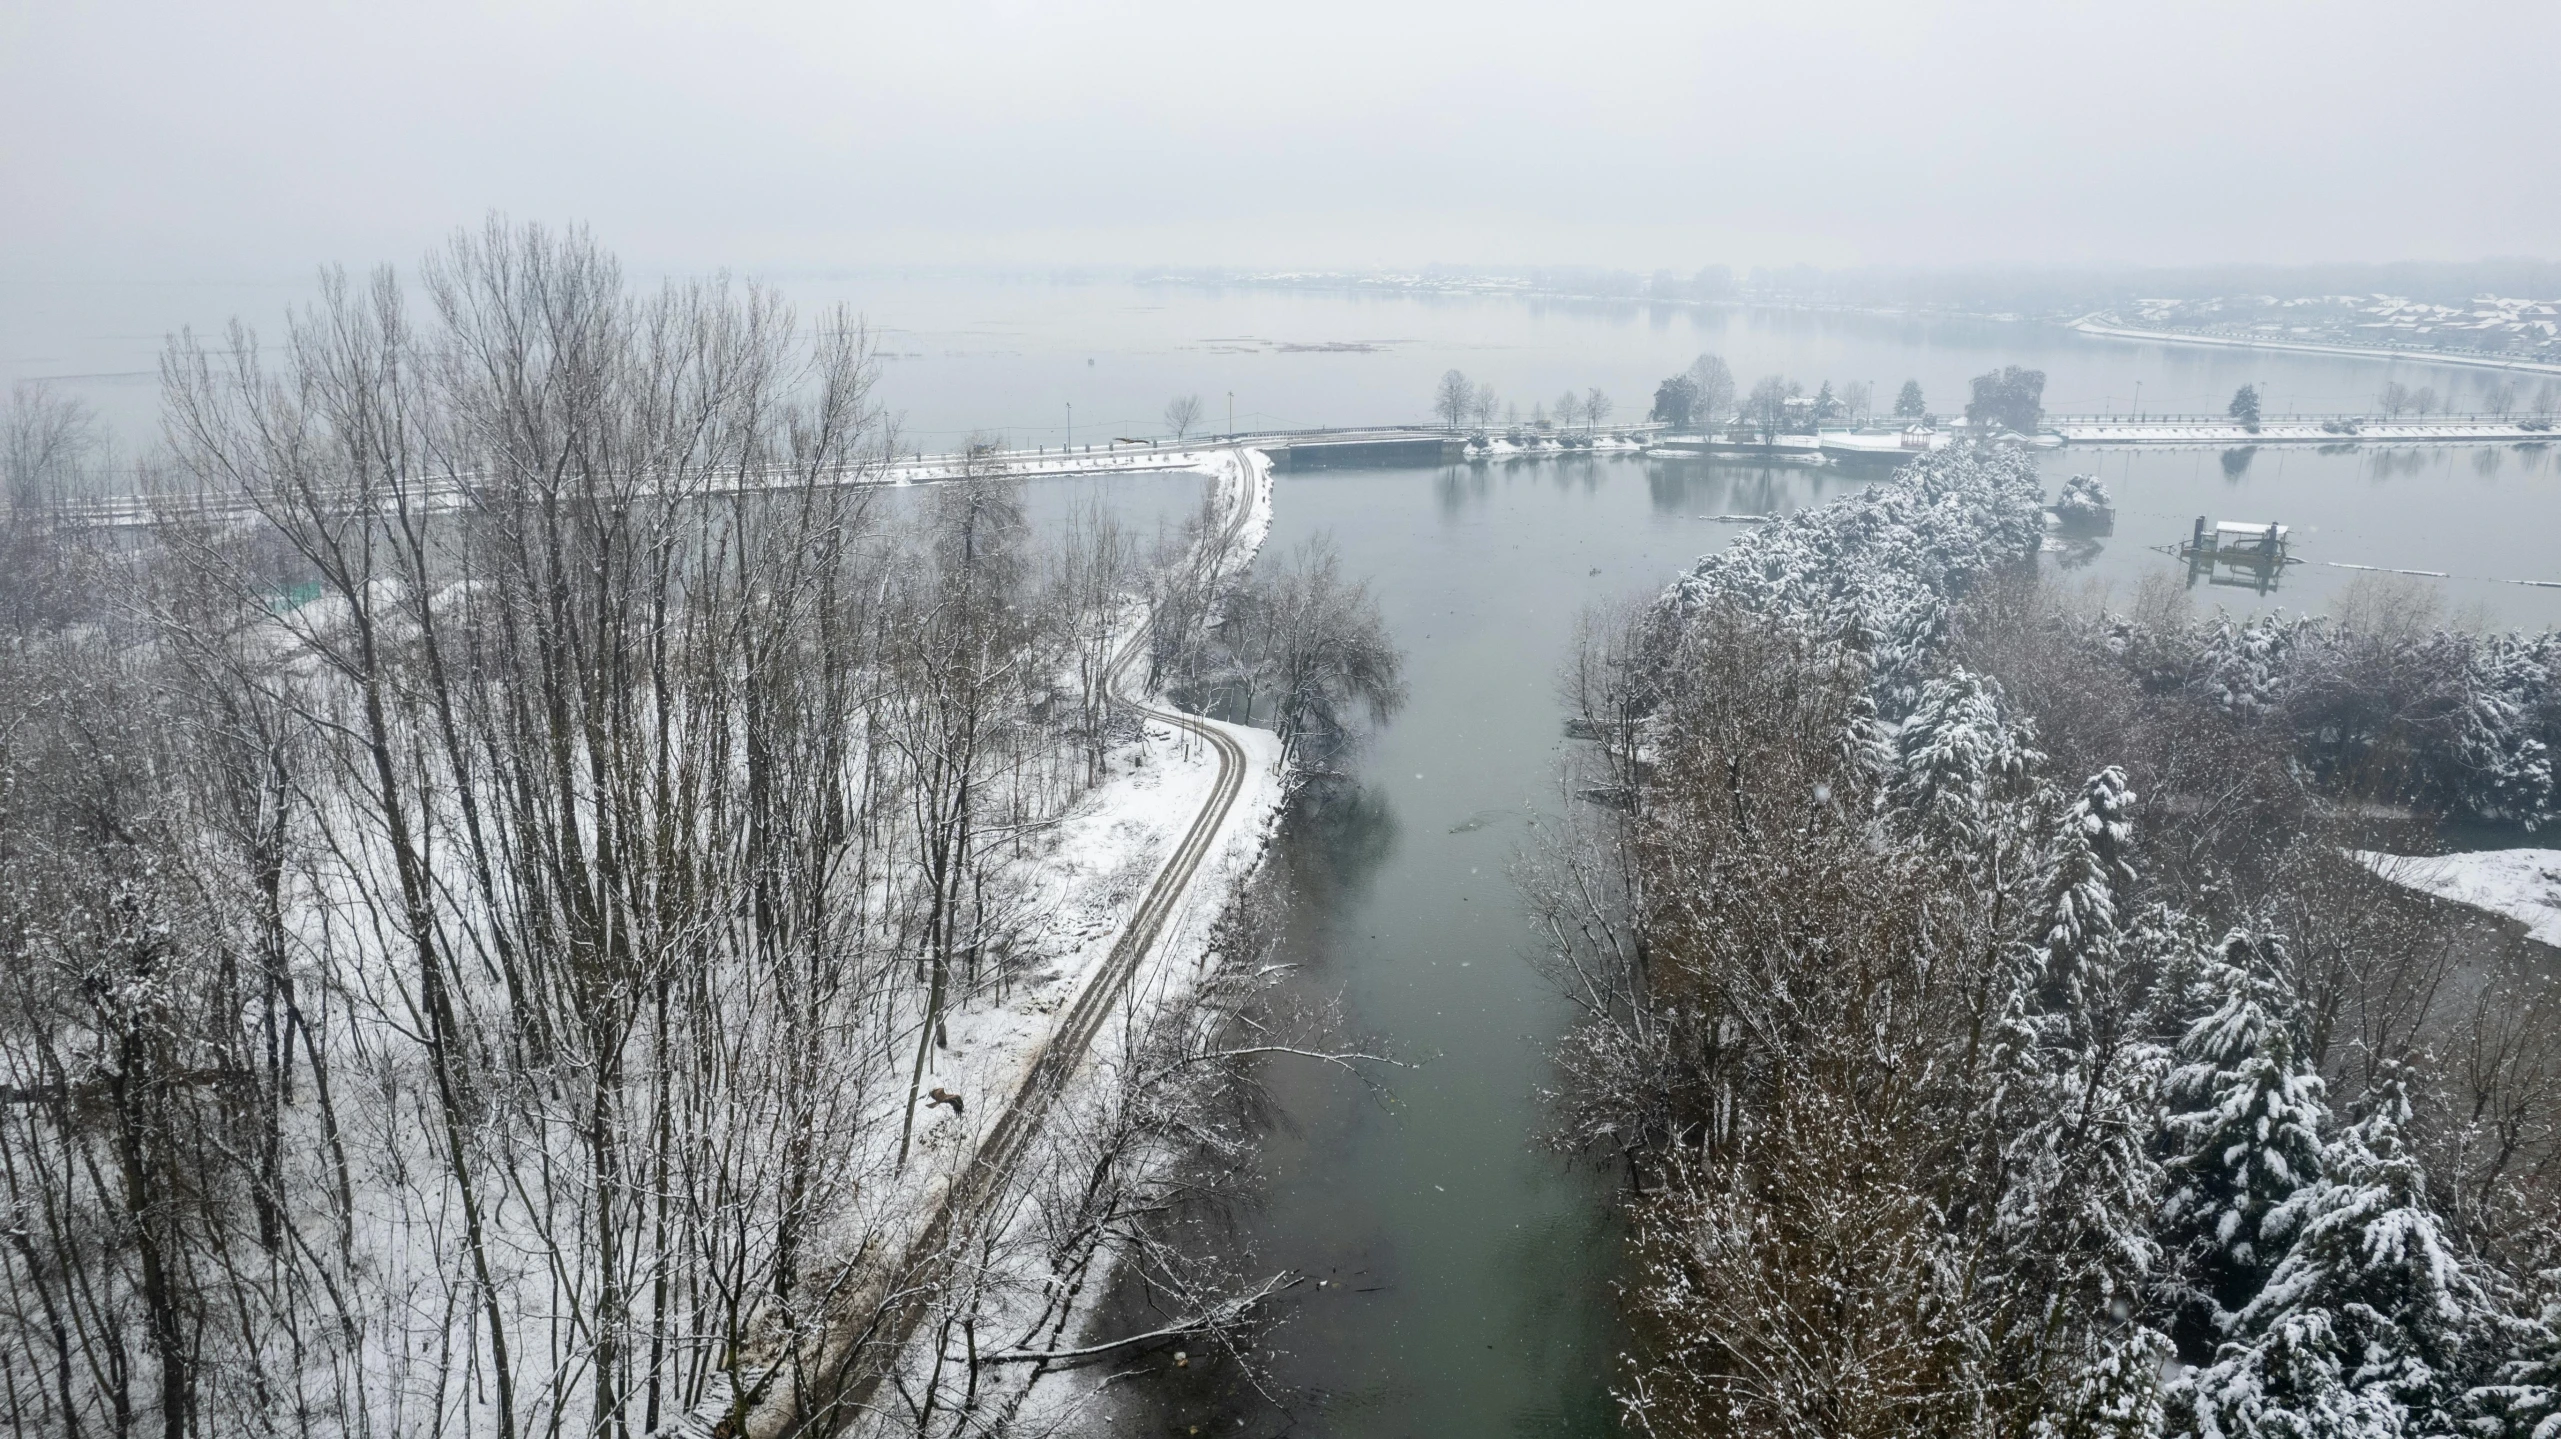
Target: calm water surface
1467, 1267
1471, 1267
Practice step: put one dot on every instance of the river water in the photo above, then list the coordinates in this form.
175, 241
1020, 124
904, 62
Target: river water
1467, 1268
1464, 1264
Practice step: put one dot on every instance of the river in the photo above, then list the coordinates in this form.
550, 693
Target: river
1466, 1267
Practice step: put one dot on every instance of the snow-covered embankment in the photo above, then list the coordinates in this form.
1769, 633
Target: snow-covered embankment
2519, 884
1102, 861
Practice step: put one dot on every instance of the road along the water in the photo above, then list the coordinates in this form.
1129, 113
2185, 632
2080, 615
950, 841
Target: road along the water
857, 1363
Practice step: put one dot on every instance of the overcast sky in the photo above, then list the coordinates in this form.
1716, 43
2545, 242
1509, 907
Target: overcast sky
256, 137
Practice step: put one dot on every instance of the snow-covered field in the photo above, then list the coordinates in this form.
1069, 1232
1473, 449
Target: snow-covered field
2519, 884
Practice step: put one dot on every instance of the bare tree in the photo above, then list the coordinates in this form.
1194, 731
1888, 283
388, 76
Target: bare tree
1596, 408
1454, 399
1094, 572
1715, 389
1569, 410
46, 441
1310, 648
1767, 409
585, 687
1181, 413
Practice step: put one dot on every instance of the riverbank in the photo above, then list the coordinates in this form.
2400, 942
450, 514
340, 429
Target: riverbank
2094, 326
1134, 881
2304, 432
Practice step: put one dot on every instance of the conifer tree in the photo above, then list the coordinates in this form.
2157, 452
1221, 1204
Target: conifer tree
2087, 870
2244, 1124
2525, 1402
1956, 755
2080, 1182
2362, 1327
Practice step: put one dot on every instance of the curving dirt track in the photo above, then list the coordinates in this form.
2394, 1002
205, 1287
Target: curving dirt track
857, 1371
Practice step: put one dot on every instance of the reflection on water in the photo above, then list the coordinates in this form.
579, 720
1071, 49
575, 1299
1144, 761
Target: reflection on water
1468, 1267
1337, 837
1475, 1264
2483, 515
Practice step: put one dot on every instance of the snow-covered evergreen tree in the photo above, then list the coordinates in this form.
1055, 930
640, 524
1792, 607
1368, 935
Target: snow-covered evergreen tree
2500, 754
2243, 1131
1956, 757
2077, 1093
2362, 1328
2115, 1390
2085, 873
2524, 1402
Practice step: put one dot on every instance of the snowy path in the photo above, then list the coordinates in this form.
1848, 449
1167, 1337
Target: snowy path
1056, 1057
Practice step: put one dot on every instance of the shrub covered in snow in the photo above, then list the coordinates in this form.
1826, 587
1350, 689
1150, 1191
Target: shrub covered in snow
2427, 715
2085, 504
1879, 570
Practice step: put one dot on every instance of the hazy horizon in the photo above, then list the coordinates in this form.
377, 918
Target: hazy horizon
154, 140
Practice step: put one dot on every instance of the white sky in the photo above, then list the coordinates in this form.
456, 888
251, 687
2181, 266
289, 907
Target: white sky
258, 137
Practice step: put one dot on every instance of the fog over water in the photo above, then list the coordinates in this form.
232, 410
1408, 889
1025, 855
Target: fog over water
964, 355
155, 139
1052, 220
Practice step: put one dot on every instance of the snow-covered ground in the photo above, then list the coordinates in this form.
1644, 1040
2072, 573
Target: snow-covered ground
1096, 868
1102, 868
2520, 884
1506, 449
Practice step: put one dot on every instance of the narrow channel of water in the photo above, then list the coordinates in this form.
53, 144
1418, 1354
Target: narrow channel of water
1467, 1269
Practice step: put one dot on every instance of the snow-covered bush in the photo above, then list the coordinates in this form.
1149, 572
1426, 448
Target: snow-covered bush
2085, 504
2413, 713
